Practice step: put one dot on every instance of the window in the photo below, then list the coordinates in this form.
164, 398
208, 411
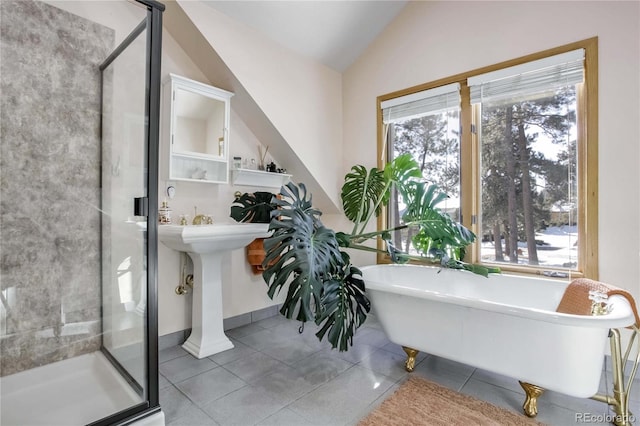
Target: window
426, 124
515, 147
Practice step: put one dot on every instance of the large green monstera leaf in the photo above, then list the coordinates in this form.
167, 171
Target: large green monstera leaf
402, 171
306, 258
364, 192
253, 207
344, 307
360, 192
304, 251
438, 233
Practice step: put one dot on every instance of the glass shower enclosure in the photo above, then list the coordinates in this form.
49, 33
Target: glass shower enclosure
79, 116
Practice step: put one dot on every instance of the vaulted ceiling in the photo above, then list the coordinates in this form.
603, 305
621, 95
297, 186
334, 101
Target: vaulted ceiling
332, 32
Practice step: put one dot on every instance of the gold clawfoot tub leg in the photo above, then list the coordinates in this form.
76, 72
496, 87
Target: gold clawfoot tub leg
530, 405
410, 363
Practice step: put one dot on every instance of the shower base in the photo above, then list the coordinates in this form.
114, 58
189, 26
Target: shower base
75, 391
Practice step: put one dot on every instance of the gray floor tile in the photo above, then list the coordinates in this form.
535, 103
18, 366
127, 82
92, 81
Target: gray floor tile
184, 367
371, 337
254, 366
264, 338
578, 405
285, 417
273, 321
322, 367
308, 335
498, 380
328, 408
239, 350
243, 331
163, 382
366, 410
435, 371
174, 404
635, 391
444, 365
286, 385
312, 340
355, 354
291, 328
209, 386
552, 414
291, 351
170, 353
362, 383
194, 417
246, 406
388, 363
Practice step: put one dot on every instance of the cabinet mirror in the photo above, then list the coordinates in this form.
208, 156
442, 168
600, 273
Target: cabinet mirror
199, 124
196, 122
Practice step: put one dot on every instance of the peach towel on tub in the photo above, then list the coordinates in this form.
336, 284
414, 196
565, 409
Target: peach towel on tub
575, 299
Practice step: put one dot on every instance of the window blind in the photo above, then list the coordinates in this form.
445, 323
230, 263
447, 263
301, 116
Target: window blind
545, 74
419, 104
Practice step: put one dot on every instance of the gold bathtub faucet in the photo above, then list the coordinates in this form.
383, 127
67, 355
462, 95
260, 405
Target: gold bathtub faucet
599, 305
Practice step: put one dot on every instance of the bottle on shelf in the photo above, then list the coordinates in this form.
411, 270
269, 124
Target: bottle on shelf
221, 147
164, 214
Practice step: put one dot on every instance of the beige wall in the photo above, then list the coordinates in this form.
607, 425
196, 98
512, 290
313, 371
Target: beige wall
241, 290
300, 96
431, 40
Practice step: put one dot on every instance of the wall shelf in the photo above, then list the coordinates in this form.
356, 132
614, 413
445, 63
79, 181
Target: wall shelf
249, 177
198, 155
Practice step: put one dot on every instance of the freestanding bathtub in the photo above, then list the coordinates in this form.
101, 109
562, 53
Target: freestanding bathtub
504, 324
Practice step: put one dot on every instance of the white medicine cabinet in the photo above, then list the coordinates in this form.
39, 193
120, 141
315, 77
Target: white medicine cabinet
195, 128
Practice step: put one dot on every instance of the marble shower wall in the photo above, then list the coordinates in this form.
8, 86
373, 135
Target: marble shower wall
49, 184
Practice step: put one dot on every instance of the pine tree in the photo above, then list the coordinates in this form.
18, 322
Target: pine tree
513, 167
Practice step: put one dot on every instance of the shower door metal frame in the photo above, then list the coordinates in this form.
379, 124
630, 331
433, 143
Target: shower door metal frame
153, 25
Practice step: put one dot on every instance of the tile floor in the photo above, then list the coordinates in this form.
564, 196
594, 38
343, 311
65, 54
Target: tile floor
276, 376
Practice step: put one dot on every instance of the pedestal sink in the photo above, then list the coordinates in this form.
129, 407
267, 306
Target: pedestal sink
205, 245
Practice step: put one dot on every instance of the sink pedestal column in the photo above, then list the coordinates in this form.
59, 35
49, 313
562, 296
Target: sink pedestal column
207, 334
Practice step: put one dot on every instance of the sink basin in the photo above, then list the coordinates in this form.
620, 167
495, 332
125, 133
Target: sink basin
206, 245
211, 238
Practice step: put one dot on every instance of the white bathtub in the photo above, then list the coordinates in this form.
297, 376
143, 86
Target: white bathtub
505, 324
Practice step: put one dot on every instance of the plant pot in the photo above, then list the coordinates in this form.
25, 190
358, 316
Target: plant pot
256, 255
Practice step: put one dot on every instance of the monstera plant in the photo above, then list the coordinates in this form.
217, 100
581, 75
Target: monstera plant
254, 207
308, 258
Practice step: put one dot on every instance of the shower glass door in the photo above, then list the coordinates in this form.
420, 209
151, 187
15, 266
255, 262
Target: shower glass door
124, 216
79, 112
